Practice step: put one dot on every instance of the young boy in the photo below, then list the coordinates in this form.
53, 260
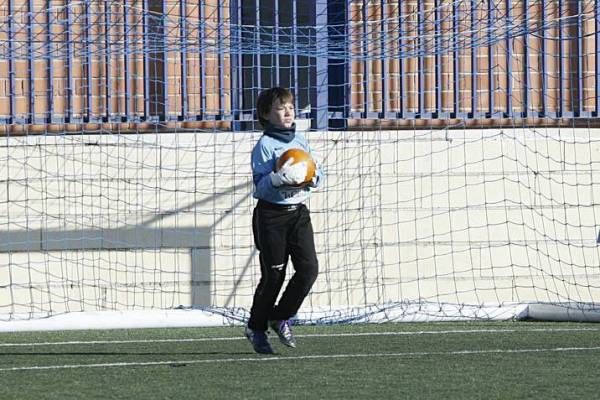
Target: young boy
280, 223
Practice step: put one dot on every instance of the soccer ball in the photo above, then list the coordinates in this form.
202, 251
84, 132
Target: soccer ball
298, 155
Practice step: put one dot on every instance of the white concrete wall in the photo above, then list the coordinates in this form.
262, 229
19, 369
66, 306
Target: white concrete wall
92, 222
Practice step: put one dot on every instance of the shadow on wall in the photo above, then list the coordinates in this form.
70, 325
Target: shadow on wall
143, 236
197, 240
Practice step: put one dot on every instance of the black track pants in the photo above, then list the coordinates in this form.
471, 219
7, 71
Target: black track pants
281, 233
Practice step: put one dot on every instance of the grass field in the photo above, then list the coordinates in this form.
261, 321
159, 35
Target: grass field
489, 360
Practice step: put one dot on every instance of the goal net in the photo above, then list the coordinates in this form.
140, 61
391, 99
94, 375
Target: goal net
459, 140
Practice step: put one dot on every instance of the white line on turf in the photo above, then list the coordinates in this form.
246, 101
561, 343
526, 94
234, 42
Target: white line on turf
299, 358
308, 335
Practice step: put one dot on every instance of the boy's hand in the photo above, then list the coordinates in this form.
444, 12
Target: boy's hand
290, 174
314, 182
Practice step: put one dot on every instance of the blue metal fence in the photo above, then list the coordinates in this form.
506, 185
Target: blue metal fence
164, 60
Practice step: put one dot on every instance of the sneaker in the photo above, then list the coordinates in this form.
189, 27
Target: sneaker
259, 341
283, 329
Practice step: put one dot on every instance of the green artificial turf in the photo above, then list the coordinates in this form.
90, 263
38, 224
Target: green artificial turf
483, 360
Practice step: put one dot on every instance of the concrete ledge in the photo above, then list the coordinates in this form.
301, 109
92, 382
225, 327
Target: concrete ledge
118, 320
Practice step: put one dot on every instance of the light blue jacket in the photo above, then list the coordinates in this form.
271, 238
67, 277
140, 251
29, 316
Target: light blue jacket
264, 156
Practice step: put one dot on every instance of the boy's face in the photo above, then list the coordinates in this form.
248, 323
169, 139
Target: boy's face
282, 114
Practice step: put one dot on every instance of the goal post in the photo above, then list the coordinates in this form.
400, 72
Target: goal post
460, 160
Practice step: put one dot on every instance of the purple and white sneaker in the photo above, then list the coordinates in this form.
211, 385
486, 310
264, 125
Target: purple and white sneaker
283, 329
